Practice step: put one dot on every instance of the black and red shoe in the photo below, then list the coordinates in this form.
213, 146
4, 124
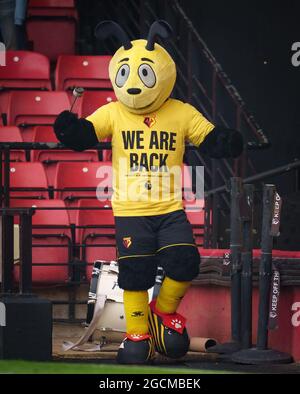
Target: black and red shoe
136, 349
169, 333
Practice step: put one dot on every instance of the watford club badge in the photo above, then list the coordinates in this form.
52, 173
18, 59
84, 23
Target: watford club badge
150, 121
127, 242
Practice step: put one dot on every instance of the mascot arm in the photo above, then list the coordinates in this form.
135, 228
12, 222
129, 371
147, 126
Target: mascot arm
77, 134
222, 143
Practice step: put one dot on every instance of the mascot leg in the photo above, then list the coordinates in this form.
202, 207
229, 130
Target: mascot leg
167, 327
136, 276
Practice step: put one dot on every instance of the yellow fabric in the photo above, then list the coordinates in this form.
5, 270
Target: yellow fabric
136, 312
148, 150
161, 63
170, 295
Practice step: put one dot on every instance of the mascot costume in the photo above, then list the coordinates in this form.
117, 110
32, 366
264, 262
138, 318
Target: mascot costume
148, 131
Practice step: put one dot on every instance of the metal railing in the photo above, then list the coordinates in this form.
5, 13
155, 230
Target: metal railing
212, 233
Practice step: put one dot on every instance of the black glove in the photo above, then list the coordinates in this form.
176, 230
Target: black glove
77, 134
64, 125
223, 143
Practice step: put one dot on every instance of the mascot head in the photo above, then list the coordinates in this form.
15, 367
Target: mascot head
142, 72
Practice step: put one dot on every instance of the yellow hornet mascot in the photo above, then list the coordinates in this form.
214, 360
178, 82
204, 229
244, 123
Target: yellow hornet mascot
148, 131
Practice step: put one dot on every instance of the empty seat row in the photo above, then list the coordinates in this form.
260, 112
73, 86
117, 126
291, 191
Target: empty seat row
73, 181
29, 108
49, 158
31, 70
52, 242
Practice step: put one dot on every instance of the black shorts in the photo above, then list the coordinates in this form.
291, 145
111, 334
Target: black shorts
148, 235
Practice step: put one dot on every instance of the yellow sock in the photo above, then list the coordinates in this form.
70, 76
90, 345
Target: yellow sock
136, 311
170, 295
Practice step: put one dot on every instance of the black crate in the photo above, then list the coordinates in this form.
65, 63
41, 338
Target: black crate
25, 328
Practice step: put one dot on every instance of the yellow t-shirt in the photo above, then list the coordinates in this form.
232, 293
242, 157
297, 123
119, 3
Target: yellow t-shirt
147, 153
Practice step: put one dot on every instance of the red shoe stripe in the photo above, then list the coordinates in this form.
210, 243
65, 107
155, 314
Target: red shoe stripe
137, 337
175, 321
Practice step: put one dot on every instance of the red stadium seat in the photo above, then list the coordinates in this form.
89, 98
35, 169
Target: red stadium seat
89, 72
94, 99
197, 221
50, 158
51, 240
44, 134
12, 134
51, 28
28, 108
79, 181
52, 8
25, 70
28, 176
4, 100
97, 240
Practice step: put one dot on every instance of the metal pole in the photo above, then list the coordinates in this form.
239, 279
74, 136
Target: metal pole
235, 251
235, 258
261, 354
6, 176
215, 164
207, 223
26, 252
7, 252
215, 220
265, 269
1, 177
246, 259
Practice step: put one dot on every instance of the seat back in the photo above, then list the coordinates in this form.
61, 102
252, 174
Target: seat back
51, 158
63, 8
94, 99
44, 134
25, 70
4, 101
34, 108
52, 36
84, 71
28, 176
87, 176
80, 181
13, 134
10, 134
52, 219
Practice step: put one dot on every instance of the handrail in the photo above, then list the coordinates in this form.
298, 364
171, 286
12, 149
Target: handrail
258, 177
60, 146
45, 145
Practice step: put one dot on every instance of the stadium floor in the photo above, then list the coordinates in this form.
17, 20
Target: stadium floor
103, 362
109, 367
193, 362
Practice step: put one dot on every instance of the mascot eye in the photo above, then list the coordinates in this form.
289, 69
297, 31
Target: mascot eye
122, 75
147, 75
